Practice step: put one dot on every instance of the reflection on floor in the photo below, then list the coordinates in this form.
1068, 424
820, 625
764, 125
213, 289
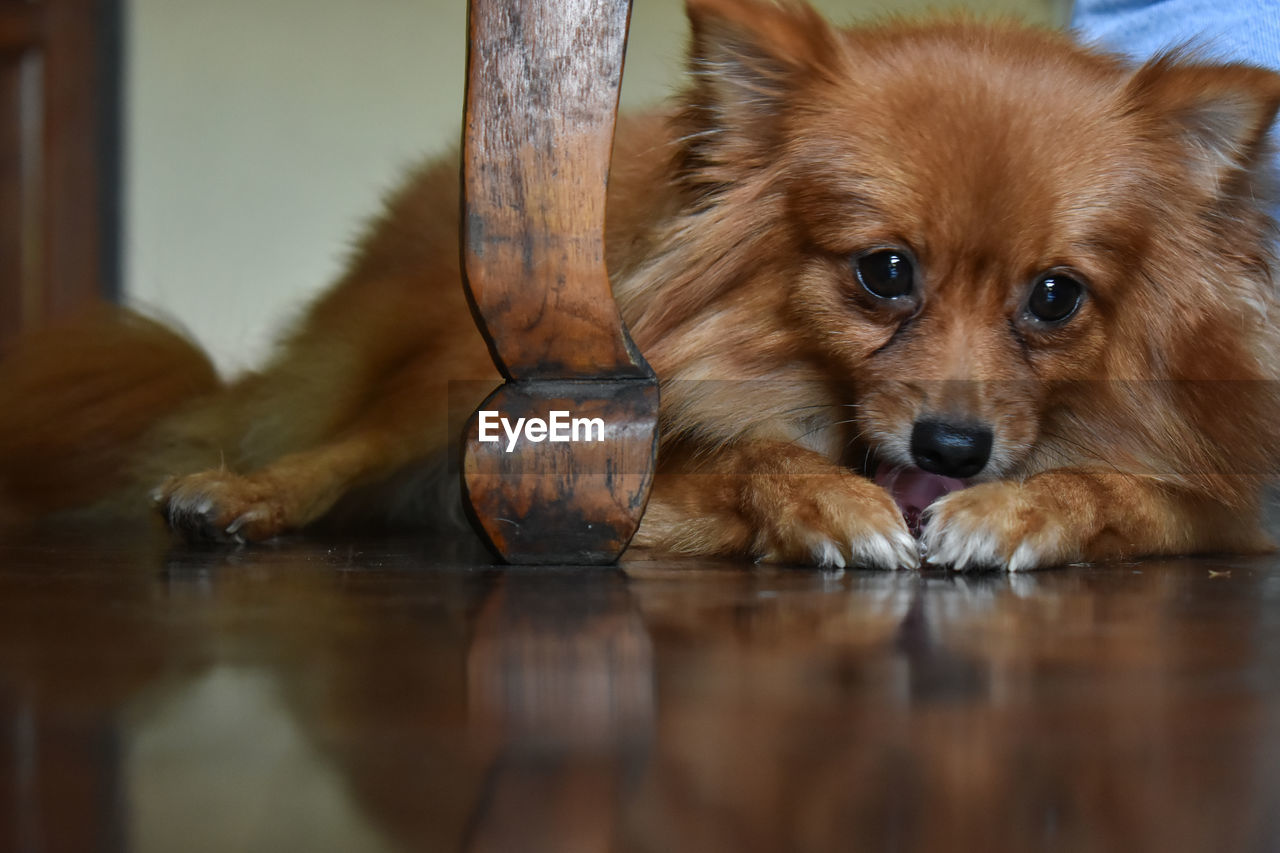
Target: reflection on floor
226, 744
408, 696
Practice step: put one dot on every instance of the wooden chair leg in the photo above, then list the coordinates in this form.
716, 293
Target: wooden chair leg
542, 98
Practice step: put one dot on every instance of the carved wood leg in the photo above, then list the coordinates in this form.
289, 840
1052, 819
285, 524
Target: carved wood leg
542, 98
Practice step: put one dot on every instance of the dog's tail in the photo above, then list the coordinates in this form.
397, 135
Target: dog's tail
76, 400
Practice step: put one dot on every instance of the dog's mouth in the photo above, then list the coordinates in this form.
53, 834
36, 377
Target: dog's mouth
913, 489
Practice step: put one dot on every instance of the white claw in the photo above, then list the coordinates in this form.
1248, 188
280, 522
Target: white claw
908, 549
1026, 558
895, 551
827, 554
234, 528
961, 551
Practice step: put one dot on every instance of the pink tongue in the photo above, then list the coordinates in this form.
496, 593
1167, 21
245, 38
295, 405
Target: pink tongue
914, 489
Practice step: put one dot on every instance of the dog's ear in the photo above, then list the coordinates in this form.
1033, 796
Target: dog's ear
1219, 113
747, 58
751, 51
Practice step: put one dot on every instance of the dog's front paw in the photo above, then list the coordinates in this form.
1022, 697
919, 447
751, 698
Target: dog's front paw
999, 526
220, 506
844, 520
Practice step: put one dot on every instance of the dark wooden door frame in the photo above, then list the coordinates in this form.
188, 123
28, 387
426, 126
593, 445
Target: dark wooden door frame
59, 158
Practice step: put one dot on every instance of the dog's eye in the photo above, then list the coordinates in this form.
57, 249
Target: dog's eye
1055, 297
885, 273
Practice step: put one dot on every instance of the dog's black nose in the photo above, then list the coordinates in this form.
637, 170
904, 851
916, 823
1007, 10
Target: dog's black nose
952, 450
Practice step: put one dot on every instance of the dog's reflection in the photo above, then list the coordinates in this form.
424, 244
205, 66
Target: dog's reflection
673, 706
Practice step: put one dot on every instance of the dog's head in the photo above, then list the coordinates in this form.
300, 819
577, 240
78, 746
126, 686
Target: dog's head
971, 225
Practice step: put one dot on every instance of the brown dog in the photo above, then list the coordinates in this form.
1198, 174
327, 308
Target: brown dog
975, 272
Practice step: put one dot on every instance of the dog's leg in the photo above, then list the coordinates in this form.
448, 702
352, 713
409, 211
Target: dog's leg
776, 502
1081, 515
287, 494
400, 421
359, 395
397, 419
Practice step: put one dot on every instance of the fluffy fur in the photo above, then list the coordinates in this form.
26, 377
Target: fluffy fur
991, 154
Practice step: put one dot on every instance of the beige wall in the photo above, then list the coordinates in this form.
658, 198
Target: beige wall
260, 133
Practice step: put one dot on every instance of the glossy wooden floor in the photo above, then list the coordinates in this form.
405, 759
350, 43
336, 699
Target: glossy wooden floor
400, 696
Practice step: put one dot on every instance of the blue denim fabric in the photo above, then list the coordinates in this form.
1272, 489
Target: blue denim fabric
1225, 30
1241, 30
